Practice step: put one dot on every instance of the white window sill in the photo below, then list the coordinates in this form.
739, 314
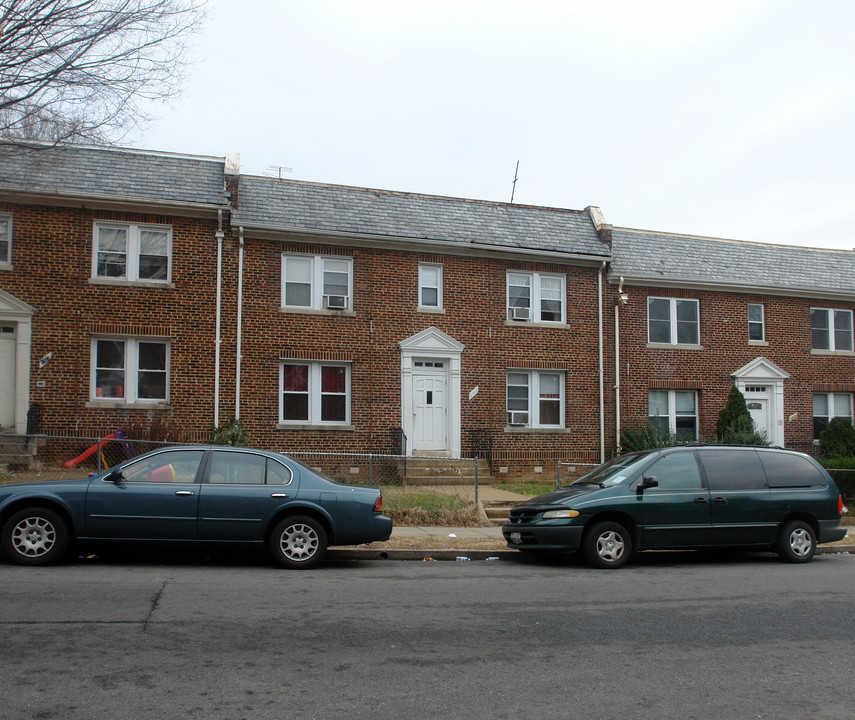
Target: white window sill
313, 311
833, 353
307, 426
758, 343
431, 310
531, 323
669, 346
532, 430
122, 404
6, 266
133, 283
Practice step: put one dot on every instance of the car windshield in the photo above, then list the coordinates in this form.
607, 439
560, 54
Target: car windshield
616, 470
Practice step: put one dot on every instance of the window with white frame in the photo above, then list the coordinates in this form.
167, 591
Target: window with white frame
127, 251
756, 322
535, 398
674, 411
430, 285
672, 321
317, 282
5, 239
314, 393
830, 329
130, 370
827, 406
537, 297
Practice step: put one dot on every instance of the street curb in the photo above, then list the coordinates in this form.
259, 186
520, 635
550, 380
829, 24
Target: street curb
485, 555
429, 554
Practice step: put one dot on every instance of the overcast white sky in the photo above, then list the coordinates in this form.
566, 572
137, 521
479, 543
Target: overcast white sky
728, 118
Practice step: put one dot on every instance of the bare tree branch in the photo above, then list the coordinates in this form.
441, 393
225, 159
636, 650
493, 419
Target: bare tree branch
76, 70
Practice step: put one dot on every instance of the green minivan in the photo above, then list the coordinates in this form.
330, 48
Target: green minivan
688, 497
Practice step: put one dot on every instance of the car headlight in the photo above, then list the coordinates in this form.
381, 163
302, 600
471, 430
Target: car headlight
566, 513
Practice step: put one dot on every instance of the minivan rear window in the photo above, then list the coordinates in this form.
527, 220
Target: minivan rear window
786, 470
733, 469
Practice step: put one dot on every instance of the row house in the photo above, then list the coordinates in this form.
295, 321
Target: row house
142, 288
695, 316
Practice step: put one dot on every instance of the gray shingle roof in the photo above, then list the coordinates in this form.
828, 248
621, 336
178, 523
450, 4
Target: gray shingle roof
294, 206
112, 173
668, 259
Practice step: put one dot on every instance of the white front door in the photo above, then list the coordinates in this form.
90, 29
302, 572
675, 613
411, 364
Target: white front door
758, 409
430, 418
7, 376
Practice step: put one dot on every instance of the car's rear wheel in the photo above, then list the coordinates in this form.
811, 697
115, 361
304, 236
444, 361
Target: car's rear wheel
298, 541
607, 545
35, 536
796, 542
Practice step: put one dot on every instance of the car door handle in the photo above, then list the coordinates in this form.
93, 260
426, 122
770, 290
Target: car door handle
279, 495
701, 501
184, 492
720, 501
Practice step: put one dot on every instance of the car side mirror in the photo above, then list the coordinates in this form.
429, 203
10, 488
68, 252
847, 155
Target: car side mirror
115, 476
647, 482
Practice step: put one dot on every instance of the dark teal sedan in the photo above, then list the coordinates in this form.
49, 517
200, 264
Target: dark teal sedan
688, 497
193, 495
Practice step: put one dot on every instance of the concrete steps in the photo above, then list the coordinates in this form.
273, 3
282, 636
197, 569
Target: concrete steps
443, 471
17, 451
497, 510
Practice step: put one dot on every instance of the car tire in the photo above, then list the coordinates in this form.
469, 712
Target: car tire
796, 542
298, 542
35, 536
607, 545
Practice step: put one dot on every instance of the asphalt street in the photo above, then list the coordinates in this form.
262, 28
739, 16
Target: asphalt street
672, 636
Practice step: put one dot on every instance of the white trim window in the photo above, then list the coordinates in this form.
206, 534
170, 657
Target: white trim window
5, 239
536, 297
826, 407
430, 285
130, 370
535, 398
672, 321
314, 393
132, 252
317, 282
674, 411
831, 330
756, 322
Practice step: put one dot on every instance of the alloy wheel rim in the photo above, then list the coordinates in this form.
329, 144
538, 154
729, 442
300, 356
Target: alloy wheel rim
299, 542
33, 537
800, 542
610, 546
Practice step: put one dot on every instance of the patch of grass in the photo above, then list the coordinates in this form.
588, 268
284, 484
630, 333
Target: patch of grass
423, 508
526, 488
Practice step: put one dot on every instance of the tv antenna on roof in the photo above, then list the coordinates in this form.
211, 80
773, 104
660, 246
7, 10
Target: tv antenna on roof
514, 185
277, 171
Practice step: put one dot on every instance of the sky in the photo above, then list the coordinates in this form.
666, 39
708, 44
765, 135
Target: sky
730, 119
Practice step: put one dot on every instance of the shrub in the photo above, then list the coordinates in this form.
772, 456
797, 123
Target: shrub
231, 432
734, 423
838, 439
646, 437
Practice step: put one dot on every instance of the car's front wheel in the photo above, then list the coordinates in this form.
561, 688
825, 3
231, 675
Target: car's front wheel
607, 545
796, 542
299, 541
35, 536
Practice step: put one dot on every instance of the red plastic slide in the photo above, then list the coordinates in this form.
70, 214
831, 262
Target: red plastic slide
86, 453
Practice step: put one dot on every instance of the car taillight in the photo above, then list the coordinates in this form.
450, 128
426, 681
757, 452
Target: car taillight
378, 504
841, 508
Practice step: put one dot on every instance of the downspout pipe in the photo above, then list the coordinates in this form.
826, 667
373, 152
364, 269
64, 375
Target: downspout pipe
622, 299
217, 338
600, 360
239, 323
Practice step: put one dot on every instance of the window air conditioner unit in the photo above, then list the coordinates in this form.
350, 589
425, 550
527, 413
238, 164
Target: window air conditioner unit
519, 418
335, 302
520, 313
